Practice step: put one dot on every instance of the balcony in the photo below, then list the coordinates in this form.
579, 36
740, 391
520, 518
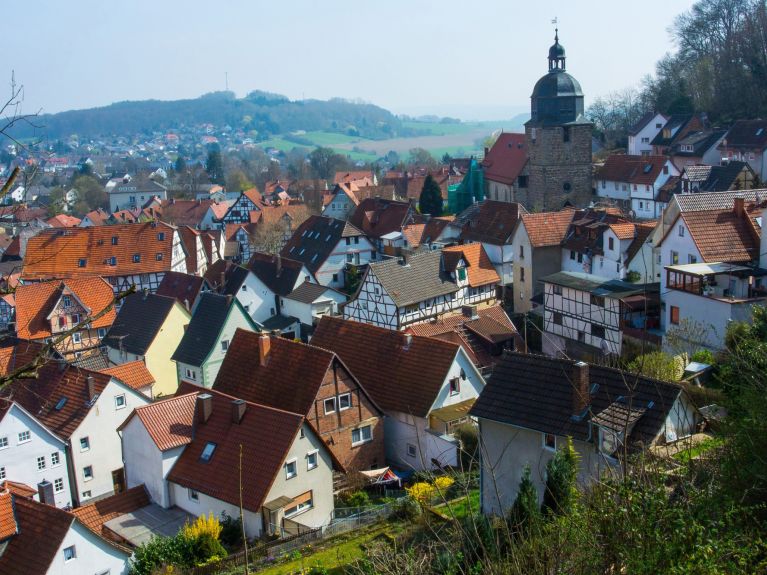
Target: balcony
725, 282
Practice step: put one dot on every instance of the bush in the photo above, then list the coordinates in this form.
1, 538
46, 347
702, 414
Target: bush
406, 509
703, 356
231, 531
468, 435
203, 525
356, 499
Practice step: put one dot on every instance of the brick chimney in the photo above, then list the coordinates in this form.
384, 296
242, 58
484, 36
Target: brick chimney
580, 385
238, 410
204, 407
264, 345
739, 207
45, 492
91, 382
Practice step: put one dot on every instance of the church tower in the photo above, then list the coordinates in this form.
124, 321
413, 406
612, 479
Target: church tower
558, 140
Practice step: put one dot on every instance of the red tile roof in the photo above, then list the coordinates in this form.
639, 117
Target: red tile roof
134, 374
365, 176
490, 222
34, 303
15, 354
399, 377
547, 228
480, 269
377, 217
722, 236
168, 421
183, 212
507, 158
8, 525
624, 230
20, 489
640, 170
264, 435
98, 217
64, 221
94, 515
57, 253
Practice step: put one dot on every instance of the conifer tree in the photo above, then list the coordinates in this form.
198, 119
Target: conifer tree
561, 472
430, 201
525, 511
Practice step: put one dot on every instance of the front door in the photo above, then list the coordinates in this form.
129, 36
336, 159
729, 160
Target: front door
118, 480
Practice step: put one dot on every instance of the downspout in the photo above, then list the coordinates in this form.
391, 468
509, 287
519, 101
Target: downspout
74, 491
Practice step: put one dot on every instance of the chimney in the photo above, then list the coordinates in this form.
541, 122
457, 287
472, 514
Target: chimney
469, 311
278, 265
91, 387
408, 341
45, 492
204, 407
264, 345
238, 410
739, 207
580, 383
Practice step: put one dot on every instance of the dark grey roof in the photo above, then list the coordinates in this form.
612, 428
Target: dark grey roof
315, 239
277, 273
279, 322
226, 277
421, 278
536, 392
675, 124
641, 123
204, 328
723, 178
308, 292
184, 287
598, 285
716, 200
94, 362
140, 319
701, 142
747, 134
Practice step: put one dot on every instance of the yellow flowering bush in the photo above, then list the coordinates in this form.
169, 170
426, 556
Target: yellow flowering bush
204, 525
442, 483
421, 492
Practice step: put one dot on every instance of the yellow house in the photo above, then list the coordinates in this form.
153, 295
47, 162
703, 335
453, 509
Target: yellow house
149, 328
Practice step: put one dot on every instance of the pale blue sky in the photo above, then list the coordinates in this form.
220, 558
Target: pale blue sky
475, 60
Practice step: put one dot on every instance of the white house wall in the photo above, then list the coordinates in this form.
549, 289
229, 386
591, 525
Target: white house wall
331, 272
20, 460
93, 555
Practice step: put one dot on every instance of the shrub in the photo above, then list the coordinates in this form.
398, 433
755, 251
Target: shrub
356, 499
703, 356
442, 484
231, 531
406, 509
421, 492
203, 525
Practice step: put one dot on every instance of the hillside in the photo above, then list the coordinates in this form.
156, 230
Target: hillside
264, 113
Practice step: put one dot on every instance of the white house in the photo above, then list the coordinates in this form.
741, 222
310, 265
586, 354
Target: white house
175, 446
633, 182
130, 194
423, 406
343, 201
326, 246
309, 302
533, 403
643, 132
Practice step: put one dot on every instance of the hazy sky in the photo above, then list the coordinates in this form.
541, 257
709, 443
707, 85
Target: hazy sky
475, 60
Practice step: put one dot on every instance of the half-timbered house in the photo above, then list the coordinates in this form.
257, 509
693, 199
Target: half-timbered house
125, 255
414, 288
61, 311
240, 211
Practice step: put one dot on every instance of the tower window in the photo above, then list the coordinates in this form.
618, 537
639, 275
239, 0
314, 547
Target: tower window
567, 187
566, 134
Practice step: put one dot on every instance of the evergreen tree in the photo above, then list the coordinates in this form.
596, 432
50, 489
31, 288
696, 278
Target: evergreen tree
214, 165
525, 511
430, 201
561, 472
180, 165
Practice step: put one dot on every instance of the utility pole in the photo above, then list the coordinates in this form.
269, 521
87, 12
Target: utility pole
242, 520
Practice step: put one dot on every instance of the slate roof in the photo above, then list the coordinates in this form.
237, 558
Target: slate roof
226, 277
723, 178
399, 377
489, 221
290, 379
547, 228
507, 158
309, 292
377, 217
643, 121
536, 392
640, 170
35, 301
94, 515
134, 374
716, 200
184, 288
749, 134
277, 273
315, 239
56, 253
676, 124
264, 434
202, 333
701, 142
423, 277
643, 232
480, 269
139, 321
169, 422
722, 236
41, 395
598, 285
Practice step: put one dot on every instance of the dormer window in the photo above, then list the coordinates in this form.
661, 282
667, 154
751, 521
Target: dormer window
161, 236
158, 256
81, 263
67, 301
461, 274
115, 240
136, 258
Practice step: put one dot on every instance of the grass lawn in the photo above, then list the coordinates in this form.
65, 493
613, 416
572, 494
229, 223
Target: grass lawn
461, 507
333, 138
699, 448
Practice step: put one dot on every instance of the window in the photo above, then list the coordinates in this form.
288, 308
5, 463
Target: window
674, 258
598, 300
85, 444
411, 451
566, 134
120, 401
550, 441
330, 405
580, 258
349, 258
25, 436
75, 318
55, 458
311, 460
115, 239
300, 504
348, 241
77, 337
58, 485
70, 553
290, 469
193, 495
2, 473
158, 256
102, 332
207, 451
225, 345
362, 435
598, 331
610, 243
3, 442
455, 386
335, 277
557, 290
41, 463
572, 254
521, 274
582, 336
86, 494
161, 236
674, 315
88, 472
641, 205
557, 318
681, 231
691, 259
136, 258
344, 401
81, 263
66, 301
